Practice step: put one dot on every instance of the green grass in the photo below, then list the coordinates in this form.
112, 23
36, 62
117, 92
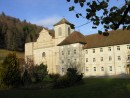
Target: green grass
92, 88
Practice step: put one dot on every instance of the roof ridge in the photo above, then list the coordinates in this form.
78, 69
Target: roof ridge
116, 37
62, 21
108, 32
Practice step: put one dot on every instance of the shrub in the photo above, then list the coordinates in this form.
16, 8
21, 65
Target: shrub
47, 79
128, 87
54, 77
26, 78
62, 82
10, 73
69, 79
40, 72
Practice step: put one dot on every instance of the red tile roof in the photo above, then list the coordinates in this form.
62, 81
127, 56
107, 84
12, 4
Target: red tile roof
74, 37
117, 37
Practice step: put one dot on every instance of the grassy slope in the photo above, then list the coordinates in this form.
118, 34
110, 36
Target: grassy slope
3, 53
92, 88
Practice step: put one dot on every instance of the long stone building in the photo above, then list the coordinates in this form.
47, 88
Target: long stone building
93, 55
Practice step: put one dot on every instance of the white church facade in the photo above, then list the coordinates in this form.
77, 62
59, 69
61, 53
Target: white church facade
92, 55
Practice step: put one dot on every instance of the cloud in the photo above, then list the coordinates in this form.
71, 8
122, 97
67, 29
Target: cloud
48, 22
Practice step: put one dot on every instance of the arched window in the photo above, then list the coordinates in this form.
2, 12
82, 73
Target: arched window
43, 54
68, 31
59, 31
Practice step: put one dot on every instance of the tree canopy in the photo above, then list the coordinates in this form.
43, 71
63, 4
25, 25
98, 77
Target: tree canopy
110, 17
15, 33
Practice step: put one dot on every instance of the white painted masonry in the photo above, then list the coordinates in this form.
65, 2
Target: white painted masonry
99, 61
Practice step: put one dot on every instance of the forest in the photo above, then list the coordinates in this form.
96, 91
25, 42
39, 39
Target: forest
14, 33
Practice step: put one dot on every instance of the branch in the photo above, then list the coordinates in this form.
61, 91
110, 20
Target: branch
98, 1
80, 15
83, 24
123, 17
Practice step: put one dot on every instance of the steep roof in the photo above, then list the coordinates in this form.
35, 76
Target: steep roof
62, 22
117, 37
74, 37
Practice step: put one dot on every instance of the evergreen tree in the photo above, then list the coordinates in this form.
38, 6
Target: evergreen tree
10, 73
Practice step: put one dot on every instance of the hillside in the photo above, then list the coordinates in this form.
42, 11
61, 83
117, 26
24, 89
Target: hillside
3, 54
14, 33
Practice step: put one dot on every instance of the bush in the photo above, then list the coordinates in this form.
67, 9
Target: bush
47, 79
10, 71
128, 87
26, 78
69, 79
62, 82
54, 77
40, 72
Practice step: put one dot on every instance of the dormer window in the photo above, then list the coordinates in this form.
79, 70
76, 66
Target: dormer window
68, 31
59, 31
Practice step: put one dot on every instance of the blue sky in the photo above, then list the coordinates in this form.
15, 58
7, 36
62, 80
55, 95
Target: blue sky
47, 12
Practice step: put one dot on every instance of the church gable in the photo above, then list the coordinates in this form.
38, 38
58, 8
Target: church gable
44, 36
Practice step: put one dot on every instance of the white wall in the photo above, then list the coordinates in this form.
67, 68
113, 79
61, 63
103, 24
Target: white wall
118, 66
72, 59
29, 50
48, 60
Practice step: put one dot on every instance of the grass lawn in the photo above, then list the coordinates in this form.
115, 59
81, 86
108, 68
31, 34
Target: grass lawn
92, 88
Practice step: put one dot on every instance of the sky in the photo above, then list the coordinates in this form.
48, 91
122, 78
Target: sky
48, 12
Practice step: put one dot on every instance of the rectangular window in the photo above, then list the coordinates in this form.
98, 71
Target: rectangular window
87, 69
101, 58
128, 57
62, 53
119, 57
68, 60
110, 58
110, 68
59, 31
94, 59
62, 70
68, 52
62, 62
118, 47
93, 50
74, 51
102, 68
86, 51
101, 49
109, 48
86, 59
94, 68
128, 46
75, 60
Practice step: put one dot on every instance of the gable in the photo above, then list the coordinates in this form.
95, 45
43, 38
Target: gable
44, 36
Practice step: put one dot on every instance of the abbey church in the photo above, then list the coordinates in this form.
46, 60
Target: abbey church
92, 55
